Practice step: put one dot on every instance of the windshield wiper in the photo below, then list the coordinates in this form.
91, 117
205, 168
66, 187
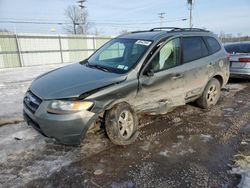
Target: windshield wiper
100, 67
97, 66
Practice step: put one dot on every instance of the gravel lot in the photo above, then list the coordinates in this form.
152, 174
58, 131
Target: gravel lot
188, 147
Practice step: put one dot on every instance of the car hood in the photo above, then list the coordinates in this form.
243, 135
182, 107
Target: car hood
72, 81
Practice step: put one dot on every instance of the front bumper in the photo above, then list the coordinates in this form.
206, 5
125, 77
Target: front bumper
66, 128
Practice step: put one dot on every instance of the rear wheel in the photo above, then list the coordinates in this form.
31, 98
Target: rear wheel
211, 94
121, 124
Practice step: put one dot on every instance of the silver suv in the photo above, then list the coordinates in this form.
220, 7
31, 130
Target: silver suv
239, 59
144, 71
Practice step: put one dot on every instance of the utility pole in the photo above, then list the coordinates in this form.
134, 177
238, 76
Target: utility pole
81, 2
190, 2
161, 16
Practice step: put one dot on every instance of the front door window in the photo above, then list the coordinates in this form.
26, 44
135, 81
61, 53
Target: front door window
167, 57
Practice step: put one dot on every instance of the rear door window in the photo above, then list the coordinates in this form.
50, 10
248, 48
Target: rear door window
193, 48
213, 44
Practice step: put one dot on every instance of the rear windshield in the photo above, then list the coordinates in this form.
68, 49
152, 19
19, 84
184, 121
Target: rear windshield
238, 48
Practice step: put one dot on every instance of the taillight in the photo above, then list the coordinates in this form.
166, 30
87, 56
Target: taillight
244, 59
228, 56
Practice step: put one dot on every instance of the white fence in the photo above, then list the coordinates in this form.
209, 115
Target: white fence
17, 50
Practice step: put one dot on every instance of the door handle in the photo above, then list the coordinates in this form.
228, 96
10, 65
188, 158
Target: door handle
177, 76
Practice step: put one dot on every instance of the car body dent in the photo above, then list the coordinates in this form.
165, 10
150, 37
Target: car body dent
68, 129
116, 93
71, 81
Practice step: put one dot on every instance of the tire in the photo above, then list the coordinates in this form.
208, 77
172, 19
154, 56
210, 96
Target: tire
121, 124
210, 95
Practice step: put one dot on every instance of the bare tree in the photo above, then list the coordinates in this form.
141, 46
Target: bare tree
78, 20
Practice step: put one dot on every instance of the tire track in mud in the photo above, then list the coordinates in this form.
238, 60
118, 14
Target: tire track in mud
237, 124
237, 118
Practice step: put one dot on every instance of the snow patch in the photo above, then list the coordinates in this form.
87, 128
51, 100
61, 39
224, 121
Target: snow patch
46, 167
236, 87
165, 153
176, 145
181, 137
145, 146
184, 152
25, 134
242, 167
205, 137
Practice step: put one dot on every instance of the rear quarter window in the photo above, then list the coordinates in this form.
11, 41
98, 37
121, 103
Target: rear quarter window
213, 44
193, 48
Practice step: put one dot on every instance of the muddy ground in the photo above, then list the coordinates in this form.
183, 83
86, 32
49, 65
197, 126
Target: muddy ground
188, 147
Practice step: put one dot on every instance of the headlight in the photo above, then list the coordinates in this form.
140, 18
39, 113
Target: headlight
66, 107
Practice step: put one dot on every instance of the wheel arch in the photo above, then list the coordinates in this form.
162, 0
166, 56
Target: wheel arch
219, 78
112, 104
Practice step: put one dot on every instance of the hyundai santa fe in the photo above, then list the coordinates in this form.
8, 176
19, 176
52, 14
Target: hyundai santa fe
149, 71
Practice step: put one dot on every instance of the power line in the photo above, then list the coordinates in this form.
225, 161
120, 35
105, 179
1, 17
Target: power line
196, 12
134, 22
100, 23
30, 22
60, 20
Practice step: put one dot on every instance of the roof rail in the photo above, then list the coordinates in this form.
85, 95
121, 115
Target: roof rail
194, 29
164, 28
139, 31
174, 29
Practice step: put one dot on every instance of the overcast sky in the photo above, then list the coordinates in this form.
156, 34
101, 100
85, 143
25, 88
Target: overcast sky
112, 16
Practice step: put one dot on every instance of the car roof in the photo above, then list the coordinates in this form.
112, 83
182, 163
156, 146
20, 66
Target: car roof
158, 33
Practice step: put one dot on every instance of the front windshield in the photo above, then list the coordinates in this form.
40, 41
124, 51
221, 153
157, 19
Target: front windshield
119, 55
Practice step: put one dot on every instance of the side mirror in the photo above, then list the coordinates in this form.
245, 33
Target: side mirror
149, 73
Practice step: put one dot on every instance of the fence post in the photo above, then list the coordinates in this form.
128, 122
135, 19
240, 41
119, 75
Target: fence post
19, 51
94, 47
60, 46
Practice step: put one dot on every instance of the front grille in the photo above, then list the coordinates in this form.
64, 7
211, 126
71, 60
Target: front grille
31, 101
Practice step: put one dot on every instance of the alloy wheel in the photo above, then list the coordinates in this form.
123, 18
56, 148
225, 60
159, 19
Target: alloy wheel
126, 124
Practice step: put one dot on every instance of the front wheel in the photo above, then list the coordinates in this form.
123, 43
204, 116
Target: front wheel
211, 94
121, 124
